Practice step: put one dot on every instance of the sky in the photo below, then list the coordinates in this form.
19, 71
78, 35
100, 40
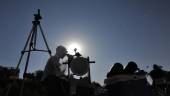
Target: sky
108, 31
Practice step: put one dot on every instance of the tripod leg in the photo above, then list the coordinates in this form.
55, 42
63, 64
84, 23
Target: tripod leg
8, 90
35, 37
28, 56
22, 53
22, 88
49, 51
29, 50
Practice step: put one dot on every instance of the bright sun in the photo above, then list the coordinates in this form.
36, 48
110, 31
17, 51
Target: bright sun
71, 48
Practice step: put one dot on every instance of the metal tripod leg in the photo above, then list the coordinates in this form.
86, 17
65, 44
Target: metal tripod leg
28, 56
22, 53
45, 39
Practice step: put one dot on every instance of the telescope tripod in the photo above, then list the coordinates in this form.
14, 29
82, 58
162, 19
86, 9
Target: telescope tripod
31, 42
31, 46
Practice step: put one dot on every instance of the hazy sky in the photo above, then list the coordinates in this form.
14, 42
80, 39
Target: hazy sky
108, 31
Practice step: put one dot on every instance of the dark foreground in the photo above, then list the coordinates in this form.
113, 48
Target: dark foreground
13, 87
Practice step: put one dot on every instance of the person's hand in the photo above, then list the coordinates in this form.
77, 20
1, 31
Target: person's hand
69, 56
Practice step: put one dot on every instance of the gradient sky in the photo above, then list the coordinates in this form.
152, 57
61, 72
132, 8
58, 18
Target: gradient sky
109, 31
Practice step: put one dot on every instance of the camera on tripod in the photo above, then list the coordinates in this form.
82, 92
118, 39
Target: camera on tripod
37, 17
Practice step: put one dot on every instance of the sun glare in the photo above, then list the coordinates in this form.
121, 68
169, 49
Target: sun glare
71, 48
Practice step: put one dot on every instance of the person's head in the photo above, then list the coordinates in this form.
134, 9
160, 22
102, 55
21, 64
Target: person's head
156, 67
61, 51
131, 67
118, 67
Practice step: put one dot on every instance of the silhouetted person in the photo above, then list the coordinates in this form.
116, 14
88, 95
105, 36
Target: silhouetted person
159, 78
53, 75
114, 89
168, 76
157, 72
115, 70
131, 68
168, 80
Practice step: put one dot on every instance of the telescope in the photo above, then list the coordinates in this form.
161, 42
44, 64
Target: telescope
78, 64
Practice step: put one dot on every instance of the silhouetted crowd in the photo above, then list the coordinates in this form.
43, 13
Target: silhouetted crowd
120, 81
131, 81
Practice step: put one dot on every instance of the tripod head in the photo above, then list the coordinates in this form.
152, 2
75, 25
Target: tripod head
37, 16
